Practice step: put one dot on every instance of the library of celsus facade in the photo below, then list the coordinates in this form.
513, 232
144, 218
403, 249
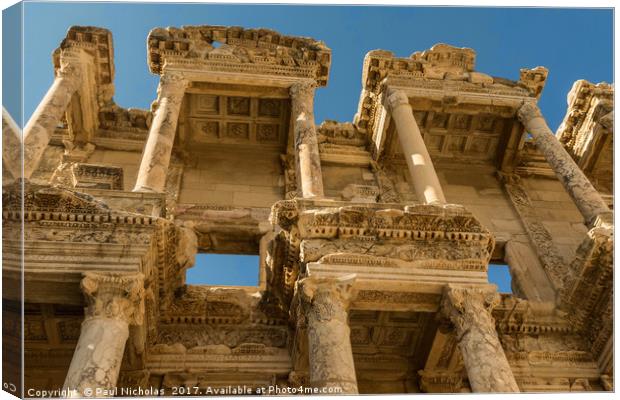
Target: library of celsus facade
374, 236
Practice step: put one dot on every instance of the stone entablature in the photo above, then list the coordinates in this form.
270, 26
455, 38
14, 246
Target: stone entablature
589, 104
587, 130
241, 51
97, 42
444, 71
378, 242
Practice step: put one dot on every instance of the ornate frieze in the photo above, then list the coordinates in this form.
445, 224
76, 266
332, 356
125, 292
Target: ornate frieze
398, 240
193, 334
251, 51
588, 294
96, 176
441, 381
516, 315
341, 133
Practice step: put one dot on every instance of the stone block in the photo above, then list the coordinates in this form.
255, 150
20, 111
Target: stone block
454, 192
368, 176
491, 192
507, 225
543, 184
557, 228
256, 199
231, 187
199, 196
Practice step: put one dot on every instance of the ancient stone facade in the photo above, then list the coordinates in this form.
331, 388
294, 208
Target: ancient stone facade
374, 236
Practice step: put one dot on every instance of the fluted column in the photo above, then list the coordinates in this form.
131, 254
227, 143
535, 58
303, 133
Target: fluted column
309, 176
586, 197
47, 116
425, 181
11, 145
324, 304
158, 149
114, 301
469, 310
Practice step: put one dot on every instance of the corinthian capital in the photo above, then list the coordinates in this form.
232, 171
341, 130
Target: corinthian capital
465, 307
172, 84
301, 91
73, 64
116, 296
326, 298
396, 98
528, 111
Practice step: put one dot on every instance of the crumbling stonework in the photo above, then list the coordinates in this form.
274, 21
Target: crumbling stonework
374, 236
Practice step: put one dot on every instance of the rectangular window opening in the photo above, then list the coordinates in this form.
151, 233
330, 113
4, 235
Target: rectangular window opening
224, 270
499, 274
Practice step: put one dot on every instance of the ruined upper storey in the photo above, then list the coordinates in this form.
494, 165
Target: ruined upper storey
444, 72
587, 131
238, 50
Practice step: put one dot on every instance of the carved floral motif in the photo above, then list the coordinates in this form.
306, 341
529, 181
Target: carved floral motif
114, 296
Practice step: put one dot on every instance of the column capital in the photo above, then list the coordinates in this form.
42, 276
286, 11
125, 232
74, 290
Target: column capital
115, 296
73, 65
304, 89
172, 84
326, 298
395, 98
469, 310
529, 111
465, 306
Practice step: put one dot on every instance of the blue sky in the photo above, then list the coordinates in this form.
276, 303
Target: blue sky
572, 43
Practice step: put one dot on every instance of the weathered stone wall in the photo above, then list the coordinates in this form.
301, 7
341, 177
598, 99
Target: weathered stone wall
233, 178
336, 178
558, 214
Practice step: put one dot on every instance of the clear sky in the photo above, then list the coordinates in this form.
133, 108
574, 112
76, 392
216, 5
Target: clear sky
573, 43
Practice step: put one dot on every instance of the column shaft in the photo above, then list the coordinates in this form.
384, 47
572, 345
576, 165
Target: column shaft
469, 310
114, 302
425, 181
325, 306
47, 116
158, 148
310, 178
586, 197
97, 358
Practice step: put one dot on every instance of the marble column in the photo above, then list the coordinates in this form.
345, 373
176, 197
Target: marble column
586, 197
11, 145
325, 303
425, 181
114, 301
469, 311
309, 176
47, 116
158, 148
